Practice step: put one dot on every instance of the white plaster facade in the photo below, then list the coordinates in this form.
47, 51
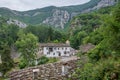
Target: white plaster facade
56, 50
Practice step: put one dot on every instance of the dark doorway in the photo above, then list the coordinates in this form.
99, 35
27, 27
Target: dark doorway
59, 54
51, 49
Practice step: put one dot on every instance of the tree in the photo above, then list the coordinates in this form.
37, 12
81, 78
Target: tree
40, 31
7, 62
27, 45
77, 39
7, 38
46, 34
112, 31
50, 34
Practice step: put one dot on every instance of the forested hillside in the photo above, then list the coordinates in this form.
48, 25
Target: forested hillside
57, 17
85, 26
103, 30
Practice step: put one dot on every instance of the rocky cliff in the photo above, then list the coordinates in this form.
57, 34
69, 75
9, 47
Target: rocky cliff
16, 22
58, 19
101, 4
104, 3
61, 17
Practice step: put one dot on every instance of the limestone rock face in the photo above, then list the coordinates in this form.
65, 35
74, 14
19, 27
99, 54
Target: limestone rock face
16, 22
61, 17
102, 3
58, 19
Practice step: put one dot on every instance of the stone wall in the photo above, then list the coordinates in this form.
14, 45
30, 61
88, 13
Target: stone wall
52, 71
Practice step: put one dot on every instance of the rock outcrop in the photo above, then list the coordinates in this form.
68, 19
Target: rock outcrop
58, 19
104, 3
101, 4
16, 22
61, 17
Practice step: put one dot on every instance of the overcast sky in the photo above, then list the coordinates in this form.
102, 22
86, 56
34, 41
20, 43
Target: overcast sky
23, 5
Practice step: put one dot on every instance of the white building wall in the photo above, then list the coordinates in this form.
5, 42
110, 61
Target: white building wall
57, 51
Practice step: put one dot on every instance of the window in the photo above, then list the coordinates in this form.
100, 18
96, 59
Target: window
58, 48
50, 49
53, 53
62, 48
65, 52
66, 48
54, 48
59, 54
48, 53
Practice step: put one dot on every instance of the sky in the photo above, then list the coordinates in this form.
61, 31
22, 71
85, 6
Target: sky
23, 5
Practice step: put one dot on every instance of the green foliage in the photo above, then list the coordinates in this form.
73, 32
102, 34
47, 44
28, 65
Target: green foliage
7, 62
43, 60
46, 33
52, 60
87, 23
94, 37
55, 41
76, 40
102, 70
27, 45
22, 64
109, 46
99, 52
8, 35
104, 59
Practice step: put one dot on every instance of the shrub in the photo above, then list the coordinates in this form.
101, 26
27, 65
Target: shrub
52, 60
42, 60
22, 64
107, 69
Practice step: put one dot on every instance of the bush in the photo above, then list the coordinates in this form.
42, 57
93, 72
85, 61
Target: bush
22, 64
52, 60
42, 60
107, 69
